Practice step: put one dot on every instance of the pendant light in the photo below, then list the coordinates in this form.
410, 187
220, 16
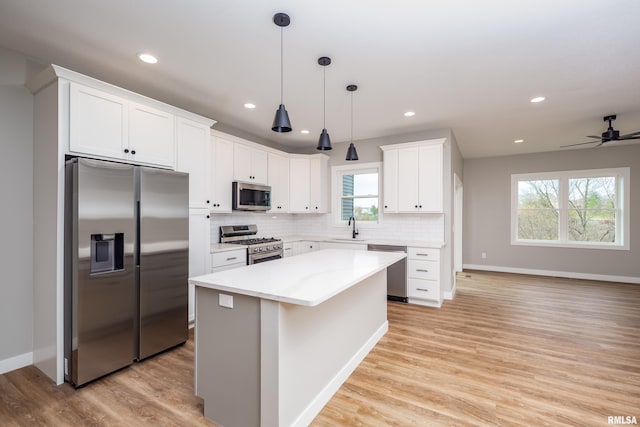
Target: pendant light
324, 143
352, 154
281, 121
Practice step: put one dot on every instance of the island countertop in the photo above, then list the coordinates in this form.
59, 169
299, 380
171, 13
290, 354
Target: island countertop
308, 279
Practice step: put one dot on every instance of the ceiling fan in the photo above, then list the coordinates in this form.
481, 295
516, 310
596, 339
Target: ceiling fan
610, 135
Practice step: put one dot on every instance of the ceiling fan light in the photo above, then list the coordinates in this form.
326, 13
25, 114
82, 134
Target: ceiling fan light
352, 154
324, 142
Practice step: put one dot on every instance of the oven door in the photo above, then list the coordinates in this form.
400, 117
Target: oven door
264, 257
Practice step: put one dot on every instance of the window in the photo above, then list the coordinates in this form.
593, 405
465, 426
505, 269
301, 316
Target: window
572, 208
356, 193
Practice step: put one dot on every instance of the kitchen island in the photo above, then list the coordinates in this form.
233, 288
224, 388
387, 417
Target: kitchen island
274, 341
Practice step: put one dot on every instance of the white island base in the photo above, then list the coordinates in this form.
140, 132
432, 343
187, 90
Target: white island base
266, 362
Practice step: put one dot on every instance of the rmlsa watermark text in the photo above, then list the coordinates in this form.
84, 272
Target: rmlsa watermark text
622, 419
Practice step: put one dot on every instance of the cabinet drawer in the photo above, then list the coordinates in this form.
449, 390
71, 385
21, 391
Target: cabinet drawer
423, 253
425, 289
227, 267
423, 269
221, 259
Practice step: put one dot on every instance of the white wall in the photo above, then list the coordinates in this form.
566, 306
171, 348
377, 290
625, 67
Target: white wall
487, 205
16, 215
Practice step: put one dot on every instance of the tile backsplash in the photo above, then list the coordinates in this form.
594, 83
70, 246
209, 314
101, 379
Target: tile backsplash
425, 227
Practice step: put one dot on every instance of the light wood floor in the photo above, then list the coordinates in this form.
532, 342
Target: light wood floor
510, 350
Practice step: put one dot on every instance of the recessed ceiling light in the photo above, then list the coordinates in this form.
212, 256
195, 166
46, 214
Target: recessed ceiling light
304, 131
518, 141
148, 58
249, 105
537, 99
409, 113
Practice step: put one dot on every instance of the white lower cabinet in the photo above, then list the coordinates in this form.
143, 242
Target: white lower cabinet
287, 249
226, 260
199, 248
423, 276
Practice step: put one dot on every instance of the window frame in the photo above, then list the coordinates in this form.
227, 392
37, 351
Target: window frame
336, 192
623, 214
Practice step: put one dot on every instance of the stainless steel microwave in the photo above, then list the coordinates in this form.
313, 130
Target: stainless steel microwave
251, 197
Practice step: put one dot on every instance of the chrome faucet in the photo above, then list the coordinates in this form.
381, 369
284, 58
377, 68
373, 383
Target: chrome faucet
355, 232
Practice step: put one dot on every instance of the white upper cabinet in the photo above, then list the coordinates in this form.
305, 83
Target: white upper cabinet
151, 135
390, 181
193, 157
415, 175
98, 122
308, 184
319, 184
279, 182
221, 174
299, 185
249, 164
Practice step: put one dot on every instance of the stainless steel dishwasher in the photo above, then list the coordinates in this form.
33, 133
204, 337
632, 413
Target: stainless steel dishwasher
396, 273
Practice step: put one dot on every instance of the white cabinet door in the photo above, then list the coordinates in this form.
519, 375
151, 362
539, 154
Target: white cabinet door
299, 185
430, 180
249, 164
199, 248
390, 181
318, 185
259, 166
408, 167
193, 158
151, 135
279, 182
420, 179
98, 122
221, 174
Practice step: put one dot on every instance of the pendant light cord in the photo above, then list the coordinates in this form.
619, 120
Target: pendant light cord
351, 117
281, 65
324, 97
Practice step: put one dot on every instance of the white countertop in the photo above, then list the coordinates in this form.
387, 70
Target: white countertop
308, 279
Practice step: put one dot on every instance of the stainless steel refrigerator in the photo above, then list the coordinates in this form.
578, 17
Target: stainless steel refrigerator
126, 265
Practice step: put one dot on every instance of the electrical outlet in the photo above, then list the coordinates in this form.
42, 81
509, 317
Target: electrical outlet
484, 255
225, 300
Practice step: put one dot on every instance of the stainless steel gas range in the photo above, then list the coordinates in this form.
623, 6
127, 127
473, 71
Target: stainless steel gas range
260, 249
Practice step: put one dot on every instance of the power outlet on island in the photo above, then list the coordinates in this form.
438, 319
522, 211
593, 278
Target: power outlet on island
225, 300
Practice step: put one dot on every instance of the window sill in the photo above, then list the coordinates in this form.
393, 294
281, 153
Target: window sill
606, 246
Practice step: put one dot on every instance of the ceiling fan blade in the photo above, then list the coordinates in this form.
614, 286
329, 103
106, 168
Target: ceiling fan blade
632, 135
580, 143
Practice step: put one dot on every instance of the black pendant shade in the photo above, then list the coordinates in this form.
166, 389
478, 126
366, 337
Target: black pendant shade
352, 154
281, 121
324, 142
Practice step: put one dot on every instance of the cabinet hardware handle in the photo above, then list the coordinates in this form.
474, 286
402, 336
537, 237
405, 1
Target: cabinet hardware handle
207, 216
422, 254
133, 151
126, 150
416, 206
420, 269
232, 258
306, 207
386, 206
422, 289
207, 202
420, 206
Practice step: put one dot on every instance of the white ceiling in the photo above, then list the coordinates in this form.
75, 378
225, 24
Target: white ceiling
468, 65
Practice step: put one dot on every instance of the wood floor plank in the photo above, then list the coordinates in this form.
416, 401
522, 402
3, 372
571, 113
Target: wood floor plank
510, 350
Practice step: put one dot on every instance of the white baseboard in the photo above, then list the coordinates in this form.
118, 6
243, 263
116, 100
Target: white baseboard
336, 382
566, 274
16, 362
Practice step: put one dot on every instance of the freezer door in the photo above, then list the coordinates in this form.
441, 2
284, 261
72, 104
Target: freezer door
100, 271
163, 260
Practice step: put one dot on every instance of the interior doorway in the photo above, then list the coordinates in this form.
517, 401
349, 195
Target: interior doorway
457, 228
